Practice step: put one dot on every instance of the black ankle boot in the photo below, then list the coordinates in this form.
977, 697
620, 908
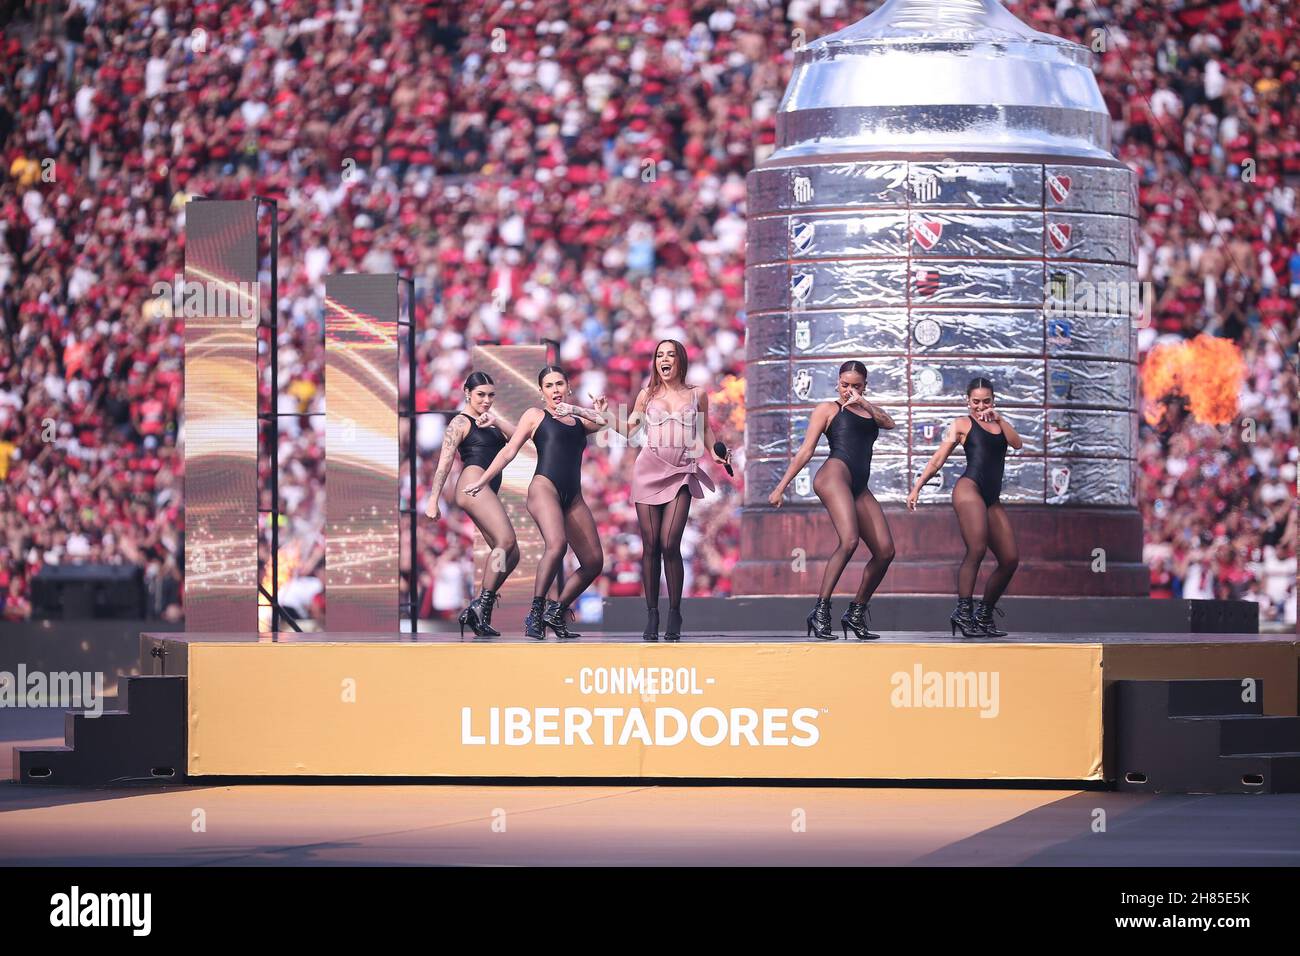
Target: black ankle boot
533, 622
479, 615
854, 620
487, 601
964, 617
651, 632
470, 617
819, 621
553, 617
673, 632
984, 617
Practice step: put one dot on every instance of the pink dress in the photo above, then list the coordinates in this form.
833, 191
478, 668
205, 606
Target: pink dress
665, 462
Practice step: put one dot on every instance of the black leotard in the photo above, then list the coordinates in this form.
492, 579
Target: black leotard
559, 455
480, 446
851, 436
985, 457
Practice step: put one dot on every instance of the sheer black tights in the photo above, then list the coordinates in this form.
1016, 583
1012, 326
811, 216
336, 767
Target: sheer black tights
490, 517
854, 519
661, 542
983, 528
562, 529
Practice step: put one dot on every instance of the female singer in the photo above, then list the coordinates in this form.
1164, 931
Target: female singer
478, 434
667, 475
841, 484
555, 497
976, 499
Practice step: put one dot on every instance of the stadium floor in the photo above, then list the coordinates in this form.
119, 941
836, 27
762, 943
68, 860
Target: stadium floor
512, 825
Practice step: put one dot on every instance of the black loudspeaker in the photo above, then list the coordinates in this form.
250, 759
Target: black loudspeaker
77, 591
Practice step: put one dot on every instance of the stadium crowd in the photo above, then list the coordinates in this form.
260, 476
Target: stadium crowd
565, 172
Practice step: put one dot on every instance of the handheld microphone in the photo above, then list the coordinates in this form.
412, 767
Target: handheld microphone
720, 450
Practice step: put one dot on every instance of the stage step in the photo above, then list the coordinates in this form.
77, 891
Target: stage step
1200, 736
1258, 735
1212, 698
142, 742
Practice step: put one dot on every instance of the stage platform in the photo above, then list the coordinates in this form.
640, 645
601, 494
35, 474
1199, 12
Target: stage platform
748, 614
718, 705
910, 612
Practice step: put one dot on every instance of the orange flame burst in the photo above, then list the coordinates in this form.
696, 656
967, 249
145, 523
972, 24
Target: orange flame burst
730, 399
1206, 371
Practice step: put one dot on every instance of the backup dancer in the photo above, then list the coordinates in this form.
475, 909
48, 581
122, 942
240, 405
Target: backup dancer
477, 434
976, 499
555, 497
851, 425
667, 475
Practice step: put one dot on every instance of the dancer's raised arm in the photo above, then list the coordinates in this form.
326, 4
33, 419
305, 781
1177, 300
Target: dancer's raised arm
488, 419
593, 419
878, 414
994, 417
528, 423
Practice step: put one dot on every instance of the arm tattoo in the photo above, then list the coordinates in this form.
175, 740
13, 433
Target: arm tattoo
450, 440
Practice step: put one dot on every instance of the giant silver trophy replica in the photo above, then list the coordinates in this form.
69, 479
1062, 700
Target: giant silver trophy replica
942, 203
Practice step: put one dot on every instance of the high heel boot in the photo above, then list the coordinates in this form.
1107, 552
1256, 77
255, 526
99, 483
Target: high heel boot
468, 616
533, 622
984, 617
964, 617
479, 616
651, 632
854, 620
554, 619
487, 601
673, 632
819, 621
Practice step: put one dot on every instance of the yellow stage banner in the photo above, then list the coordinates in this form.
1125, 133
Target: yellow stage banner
892, 711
